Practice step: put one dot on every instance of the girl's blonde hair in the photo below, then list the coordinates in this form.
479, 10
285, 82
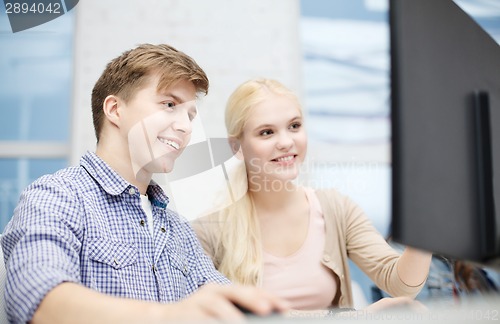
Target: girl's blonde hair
239, 248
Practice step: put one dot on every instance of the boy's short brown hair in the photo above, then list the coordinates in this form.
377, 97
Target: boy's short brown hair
129, 72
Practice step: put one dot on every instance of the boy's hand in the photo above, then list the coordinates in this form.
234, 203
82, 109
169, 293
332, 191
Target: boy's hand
223, 302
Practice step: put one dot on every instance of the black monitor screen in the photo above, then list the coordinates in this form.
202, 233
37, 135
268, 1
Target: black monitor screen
445, 109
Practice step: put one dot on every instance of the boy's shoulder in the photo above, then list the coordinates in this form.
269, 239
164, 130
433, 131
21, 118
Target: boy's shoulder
69, 175
69, 180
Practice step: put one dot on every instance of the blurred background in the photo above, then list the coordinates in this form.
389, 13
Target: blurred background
333, 53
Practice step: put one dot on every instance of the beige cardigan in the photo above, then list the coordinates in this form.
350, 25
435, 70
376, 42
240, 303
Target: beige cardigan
349, 234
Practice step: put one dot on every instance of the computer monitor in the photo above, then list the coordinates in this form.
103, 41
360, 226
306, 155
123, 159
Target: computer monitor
445, 110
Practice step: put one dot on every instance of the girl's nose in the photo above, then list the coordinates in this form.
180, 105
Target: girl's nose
285, 141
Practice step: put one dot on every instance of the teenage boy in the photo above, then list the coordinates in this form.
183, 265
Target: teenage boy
96, 242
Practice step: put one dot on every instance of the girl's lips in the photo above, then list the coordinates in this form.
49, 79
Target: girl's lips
285, 160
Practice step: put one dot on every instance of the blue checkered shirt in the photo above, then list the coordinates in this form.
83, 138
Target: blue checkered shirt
86, 225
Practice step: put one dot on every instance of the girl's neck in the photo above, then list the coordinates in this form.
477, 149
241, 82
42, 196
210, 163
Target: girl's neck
273, 197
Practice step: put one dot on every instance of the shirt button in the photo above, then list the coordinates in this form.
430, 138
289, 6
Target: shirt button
163, 229
326, 258
142, 222
185, 270
131, 191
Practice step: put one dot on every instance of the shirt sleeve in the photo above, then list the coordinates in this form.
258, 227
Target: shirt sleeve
207, 271
202, 228
40, 246
210, 273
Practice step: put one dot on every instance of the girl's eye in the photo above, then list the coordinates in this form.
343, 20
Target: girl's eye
295, 125
265, 132
169, 104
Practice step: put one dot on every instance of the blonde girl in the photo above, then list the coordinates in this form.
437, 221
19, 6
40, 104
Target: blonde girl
290, 239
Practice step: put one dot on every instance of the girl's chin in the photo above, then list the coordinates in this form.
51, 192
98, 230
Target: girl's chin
284, 176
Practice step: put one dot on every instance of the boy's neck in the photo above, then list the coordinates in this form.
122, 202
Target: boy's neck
120, 162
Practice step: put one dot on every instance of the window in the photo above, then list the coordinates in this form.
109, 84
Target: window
345, 47
35, 105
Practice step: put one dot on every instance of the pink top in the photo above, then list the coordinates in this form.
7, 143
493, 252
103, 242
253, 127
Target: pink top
301, 278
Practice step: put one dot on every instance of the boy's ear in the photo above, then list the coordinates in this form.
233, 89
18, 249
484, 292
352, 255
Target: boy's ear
111, 111
236, 147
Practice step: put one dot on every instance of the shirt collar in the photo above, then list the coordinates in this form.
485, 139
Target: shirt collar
103, 174
114, 184
157, 195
